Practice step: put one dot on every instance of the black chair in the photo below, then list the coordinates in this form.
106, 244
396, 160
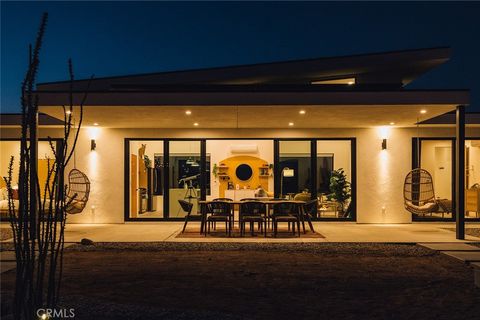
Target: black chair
220, 211
253, 212
222, 199
187, 207
249, 199
286, 212
310, 209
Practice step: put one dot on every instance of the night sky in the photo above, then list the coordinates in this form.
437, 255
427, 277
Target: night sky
106, 39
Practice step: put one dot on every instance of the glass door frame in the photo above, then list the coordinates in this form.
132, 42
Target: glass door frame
165, 178
203, 158
313, 171
417, 155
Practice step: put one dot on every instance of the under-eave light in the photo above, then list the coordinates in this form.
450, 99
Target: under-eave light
95, 124
302, 111
188, 112
290, 124
423, 111
196, 124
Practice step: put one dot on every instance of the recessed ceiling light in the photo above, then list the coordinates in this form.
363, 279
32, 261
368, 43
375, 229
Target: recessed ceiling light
95, 124
392, 123
196, 124
68, 112
290, 124
423, 111
188, 112
350, 83
302, 111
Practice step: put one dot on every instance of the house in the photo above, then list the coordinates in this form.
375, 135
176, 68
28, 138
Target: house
276, 129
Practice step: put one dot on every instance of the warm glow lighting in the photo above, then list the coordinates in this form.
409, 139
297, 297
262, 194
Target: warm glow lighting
290, 124
392, 123
196, 124
423, 111
302, 112
188, 112
95, 124
93, 132
68, 112
350, 83
384, 132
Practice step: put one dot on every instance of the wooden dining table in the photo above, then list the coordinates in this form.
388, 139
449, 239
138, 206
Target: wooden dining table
267, 201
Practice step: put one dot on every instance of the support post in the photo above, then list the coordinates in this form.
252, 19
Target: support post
460, 173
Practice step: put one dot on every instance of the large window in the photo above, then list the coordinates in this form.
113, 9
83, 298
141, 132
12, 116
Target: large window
160, 172
295, 167
147, 172
11, 148
334, 156
437, 157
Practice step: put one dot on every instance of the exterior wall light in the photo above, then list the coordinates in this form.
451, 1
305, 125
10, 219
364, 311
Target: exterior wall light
384, 144
93, 145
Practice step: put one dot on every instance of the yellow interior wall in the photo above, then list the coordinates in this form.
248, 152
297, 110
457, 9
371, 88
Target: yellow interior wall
232, 163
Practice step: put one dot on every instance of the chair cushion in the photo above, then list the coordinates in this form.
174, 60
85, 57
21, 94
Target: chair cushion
285, 218
253, 218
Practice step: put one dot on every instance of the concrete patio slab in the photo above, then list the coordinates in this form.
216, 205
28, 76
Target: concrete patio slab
6, 266
456, 246
464, 256
332, 231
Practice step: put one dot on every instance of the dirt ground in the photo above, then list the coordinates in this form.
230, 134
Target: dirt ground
267, 281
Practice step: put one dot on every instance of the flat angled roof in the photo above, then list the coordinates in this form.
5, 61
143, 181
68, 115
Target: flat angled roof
395, 68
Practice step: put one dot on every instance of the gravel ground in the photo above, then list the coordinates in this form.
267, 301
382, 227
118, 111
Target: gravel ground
262, 281
370, 249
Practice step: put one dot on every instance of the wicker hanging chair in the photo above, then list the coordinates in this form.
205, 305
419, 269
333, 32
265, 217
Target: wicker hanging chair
418, 193
78, 191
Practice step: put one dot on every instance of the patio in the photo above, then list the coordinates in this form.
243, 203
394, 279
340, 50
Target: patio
332, 232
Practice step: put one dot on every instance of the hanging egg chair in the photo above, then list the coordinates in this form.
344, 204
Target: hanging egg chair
78, 191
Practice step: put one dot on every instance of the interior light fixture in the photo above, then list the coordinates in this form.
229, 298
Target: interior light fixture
188, 112
423, 111
196, 124
290, 124
302, 112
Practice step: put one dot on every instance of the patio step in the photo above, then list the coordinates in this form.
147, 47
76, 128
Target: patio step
464, 256
453, 246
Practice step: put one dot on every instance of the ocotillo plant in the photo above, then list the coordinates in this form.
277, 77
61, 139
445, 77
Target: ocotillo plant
38, 223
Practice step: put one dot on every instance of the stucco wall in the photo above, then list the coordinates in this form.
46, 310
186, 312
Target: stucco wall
380, 173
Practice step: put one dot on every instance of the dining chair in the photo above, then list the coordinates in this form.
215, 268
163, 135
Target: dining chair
310, 209
220, 211
187, 208
253, 212
286, 211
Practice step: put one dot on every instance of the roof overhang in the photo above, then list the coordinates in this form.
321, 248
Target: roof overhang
342, 109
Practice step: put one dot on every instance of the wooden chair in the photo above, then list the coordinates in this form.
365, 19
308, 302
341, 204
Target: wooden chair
187, 208
418, 192
220, 211
253, 212
310, 209
286, 212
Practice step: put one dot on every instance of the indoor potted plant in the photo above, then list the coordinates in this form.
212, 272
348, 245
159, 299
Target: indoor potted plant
340, 188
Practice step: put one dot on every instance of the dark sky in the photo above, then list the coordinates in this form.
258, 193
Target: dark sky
105, 38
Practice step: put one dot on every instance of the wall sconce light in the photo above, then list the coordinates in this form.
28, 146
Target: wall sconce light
384, 144
93, 145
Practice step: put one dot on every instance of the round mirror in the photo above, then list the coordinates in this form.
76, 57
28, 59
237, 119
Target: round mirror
244, 172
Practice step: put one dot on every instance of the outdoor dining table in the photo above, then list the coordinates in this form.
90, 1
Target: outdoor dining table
268, 202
